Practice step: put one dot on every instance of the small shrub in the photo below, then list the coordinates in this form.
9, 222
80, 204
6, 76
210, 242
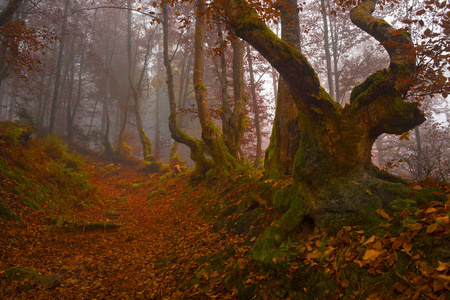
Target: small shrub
74, 161
53, 147
15, 132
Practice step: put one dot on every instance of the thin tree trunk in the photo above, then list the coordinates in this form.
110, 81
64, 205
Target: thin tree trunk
327, 48
54, 107
255, 108
72, 112
157, 129
225, 111
12, 102
334, 43
70, 82
135, 89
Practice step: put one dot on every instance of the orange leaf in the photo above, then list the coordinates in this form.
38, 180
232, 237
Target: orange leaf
442, 266
407, 248
384, 214
415, 226
371, 254
370, 240
432, 228
430, 210
358, 262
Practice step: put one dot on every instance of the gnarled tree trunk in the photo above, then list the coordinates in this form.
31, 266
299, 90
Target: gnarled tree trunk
285, 137
333, 166
202, 165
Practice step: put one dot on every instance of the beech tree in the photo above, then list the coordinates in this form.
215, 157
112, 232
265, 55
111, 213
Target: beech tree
285, 138
136, 87
197, 154
333, 163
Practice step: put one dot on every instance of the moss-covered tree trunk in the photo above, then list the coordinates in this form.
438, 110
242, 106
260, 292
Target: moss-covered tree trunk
285, 137
333, 163
202, 165
212, 137
237, 121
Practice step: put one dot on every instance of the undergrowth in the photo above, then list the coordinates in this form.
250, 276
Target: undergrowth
40, 173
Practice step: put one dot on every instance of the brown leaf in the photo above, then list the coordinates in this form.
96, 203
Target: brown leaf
384, 214
378, 246
398, 31
399, 287
407, 248
432, 228
370, 240
371, 254
415, 227
430, 210
315, 254
420, 12
358, 262
443, 277
442, 266
438, 285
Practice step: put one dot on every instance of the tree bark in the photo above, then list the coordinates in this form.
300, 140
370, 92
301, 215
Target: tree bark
285, 137
72, 112
326, 43
332, 167
202, 165
8, 11
237, 121
255, 109
225, 111
135, 89
223, 161
54, 107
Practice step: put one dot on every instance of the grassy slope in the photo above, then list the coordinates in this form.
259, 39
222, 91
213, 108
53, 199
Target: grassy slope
192, 240
39, 174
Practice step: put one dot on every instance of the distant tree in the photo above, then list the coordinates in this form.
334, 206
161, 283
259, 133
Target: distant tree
136, 88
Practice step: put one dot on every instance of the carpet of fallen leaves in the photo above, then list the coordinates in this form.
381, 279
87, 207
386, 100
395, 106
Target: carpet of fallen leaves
166, 250
155, 249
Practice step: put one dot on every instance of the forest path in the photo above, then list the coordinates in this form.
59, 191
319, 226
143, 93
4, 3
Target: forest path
137, 260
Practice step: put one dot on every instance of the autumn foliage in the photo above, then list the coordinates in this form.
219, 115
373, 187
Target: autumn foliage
180, 239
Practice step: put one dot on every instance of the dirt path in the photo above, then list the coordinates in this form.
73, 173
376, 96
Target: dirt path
134, 261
